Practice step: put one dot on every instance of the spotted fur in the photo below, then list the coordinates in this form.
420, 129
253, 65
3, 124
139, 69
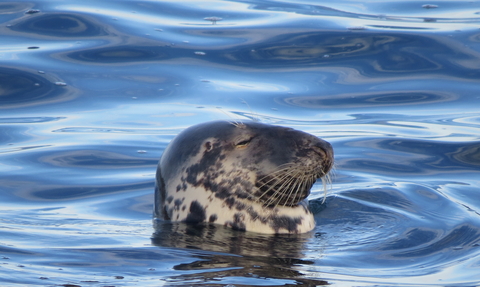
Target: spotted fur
248, 176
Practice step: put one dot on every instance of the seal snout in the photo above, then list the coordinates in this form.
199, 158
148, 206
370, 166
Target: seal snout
325, 150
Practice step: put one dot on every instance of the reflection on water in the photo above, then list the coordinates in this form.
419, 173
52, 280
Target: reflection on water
92, 92
219, 239
118, 54
235, 254
58, 25
22, 88
373, 99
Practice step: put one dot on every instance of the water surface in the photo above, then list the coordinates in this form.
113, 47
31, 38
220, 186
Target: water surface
91, 93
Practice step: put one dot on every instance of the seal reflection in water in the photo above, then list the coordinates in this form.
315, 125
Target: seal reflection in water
247, 176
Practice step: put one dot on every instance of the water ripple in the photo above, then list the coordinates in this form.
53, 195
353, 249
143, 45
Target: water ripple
91, 93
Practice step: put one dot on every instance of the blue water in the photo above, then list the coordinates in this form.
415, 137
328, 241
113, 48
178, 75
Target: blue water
91, 92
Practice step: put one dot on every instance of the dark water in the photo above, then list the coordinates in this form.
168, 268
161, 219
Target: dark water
91, 92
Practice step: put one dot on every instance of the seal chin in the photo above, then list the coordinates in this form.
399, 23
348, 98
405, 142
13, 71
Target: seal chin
247, 176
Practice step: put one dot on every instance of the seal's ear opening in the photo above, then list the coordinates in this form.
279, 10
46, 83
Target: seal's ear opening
208, 146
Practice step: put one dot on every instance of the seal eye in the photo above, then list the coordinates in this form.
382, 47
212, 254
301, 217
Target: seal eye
243, 143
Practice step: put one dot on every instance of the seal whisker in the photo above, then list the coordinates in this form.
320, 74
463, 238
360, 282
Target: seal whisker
324, 183
326, 180
306, 182
294, 187
233, 121
287, 183
280, 169
298, 185
289, 180
277, 191
255, 116
286, 179
284, 189
273, 178
272, 174
313, 179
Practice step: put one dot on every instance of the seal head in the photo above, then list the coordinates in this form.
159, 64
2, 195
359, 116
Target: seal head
247, 176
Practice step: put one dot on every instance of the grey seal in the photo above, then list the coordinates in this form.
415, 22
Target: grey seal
248, 176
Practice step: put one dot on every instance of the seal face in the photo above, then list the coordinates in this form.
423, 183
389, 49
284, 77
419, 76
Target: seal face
247, 176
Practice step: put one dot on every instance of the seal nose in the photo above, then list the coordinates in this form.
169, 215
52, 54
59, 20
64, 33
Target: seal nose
325, 150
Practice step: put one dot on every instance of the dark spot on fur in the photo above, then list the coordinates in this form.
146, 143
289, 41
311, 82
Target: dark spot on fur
286, 222
179, 187
238, 222
177, 203
242, 194
184, 207
204, 166
222, 193
196, 213
240, 206
170, 199
210, 185
230, 202
238, 186
255, 216
213, 218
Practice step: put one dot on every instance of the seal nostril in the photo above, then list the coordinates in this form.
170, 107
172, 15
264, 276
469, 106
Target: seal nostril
320, 151
323, 148
325, 151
